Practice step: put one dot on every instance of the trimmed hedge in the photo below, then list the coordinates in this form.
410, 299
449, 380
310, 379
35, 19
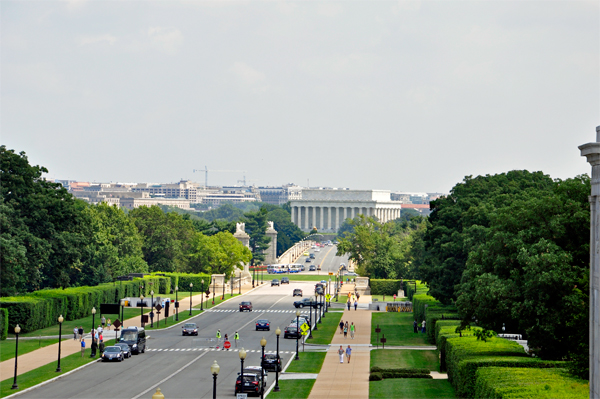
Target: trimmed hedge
375, 377
509, 383
378, 373
419, 301
409, 288
183, 280
377, 369
435, 313
387, 374
385, 287
446, 329
3, 323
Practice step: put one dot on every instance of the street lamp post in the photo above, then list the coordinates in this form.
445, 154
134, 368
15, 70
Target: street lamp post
240, 284
242, 354
316, 309
214, 369
152, 309
263, 343
191, 286
202, 295
223, 297
276, 389
93, 318
297, 332
176, 304
60, 321
141, 310
214, 288
253, 273
231, 283
17, 331
122, 306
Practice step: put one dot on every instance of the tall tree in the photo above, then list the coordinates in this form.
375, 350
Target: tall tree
256, 227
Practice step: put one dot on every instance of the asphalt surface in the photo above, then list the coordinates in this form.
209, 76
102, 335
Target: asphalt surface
180, 365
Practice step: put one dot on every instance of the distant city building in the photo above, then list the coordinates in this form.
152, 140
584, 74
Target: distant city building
132, 203
184, 189
280, 195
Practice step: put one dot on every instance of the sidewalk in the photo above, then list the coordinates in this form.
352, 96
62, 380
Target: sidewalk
48, 354
347, 380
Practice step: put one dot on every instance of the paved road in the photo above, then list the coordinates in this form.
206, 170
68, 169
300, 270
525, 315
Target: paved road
179, 365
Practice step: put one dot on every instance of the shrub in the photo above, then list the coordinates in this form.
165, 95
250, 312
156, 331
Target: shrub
435, 313
3, 323
419, 301
377, 369
375, 377
183, 280
509, 383
388, 374
409, 288
385, 287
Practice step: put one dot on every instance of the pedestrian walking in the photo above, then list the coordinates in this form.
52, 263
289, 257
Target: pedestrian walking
236, 337
415, 326
348, 303
355, 305
99, 329
80, 331
218, 338
82, 347
348, 353
103, 321
341, 353
341, 326
345, 332
352, 330
108, 324
75, 331
423, 327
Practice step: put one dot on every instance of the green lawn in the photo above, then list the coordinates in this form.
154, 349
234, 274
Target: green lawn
410, 388
397, 328
405, 358
310, 362
326, 329
7, 347
293, 389
44, 373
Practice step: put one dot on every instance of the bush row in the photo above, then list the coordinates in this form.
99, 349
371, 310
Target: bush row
385, 287
3, 323
435, 313
508, 383
377, 369
200, 282
419, 301
409, 288
378, 376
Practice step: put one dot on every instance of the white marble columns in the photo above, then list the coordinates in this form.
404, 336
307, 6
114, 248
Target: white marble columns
329, 217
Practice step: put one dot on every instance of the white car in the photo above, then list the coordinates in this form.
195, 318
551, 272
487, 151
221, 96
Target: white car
317, 250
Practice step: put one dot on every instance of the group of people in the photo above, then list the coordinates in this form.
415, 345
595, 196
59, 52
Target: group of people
105, 322
236, 338
416, 326
352, 299
97, 340
347, 352
344, 328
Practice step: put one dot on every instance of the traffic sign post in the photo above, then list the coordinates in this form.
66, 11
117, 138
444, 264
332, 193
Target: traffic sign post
378, 330
227, 345
383, 340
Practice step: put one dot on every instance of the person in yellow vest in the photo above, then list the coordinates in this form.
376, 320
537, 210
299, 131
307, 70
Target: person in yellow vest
218, 337
236, 336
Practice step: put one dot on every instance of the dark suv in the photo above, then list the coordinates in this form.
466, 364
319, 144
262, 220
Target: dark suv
297, 292
304, 302
285, 280
272, 362
246, 306
252, 384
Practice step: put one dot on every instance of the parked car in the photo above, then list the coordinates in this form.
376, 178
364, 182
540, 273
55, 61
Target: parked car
285, 280
304, 302
252, 384
305, 253
271, 362
291, 331
125, 348
274, 282
301, 319
189, 329
312, 268
112, 353
263, 324
246, 306
297, 292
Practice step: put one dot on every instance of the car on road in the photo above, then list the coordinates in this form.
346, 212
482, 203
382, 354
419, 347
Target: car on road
256, 370
112, 353
307, 260
271, 362
304, 302
135, 337
274, 282
252, 384
318, 250
246, 305
323, 281
285, 280
189, 329
312, 268
305, 253
125, 348
263, 324
301, 319
350, 274
312, 256
291, 331
297, 292
343, 266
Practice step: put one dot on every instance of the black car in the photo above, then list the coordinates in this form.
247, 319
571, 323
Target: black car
189, 329
252, 384
275, 282
112, 353
305, 302
307, 260
263, 324
285, 280
126, 349
297, 292
271, 362
312, 268
291, 331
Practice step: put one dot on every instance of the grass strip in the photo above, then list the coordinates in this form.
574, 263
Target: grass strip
46, 372
293, 389
411, 389
7, 347
327, 329
398, 329
405, 358
310, 362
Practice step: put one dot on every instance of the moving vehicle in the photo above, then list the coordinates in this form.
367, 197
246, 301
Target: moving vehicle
189, 329
312, 268
125, 349
285, 280
112, 353
305, 302
252, 383
301, 319
257, 370
305, 253
274, 282
271, 362
312, 256
297, 292
135, 337
318, 250
307, 260
291, 331
263, 324
246, 305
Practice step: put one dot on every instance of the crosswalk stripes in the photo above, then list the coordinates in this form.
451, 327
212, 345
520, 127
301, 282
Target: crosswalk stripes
255, 310
210, 349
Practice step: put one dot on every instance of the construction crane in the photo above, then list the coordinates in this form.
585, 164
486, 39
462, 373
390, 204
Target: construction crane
206, 170
244, 181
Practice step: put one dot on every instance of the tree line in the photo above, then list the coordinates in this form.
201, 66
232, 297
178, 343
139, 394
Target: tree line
49, 239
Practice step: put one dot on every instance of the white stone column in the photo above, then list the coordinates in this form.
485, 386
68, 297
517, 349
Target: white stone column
321, 226
592, 152
305, 218
294, 215
314, 217
329, 218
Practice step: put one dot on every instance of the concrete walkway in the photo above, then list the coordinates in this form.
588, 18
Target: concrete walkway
48, 354
347, 380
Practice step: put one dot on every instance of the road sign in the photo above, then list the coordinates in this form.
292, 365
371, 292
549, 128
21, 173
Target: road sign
227, 345
158, 307
304, 327
328, 296
303, 332
117, 323
331, 273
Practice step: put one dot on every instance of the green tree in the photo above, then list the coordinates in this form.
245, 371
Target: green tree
217, 254
256, 227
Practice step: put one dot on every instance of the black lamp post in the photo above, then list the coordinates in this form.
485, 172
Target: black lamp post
214, 282
316, 309
176, 304
263, 343
310, 317
214, 369
297, 332
142, 310
152, 309
276, 389
253, 272
242, 354
191, 286
202, 295
122, 306
240, 284
223, 297
17, 331
93, 318
329, 293
60, 321
231, 282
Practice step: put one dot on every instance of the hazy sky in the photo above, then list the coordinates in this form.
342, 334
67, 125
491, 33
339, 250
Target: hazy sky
399, 95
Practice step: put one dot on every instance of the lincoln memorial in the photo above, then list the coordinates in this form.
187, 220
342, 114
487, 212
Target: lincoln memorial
327, 209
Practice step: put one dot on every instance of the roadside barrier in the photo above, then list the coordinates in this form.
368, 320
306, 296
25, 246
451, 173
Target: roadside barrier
399, 307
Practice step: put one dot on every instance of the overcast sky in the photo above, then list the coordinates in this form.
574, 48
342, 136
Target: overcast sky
398, 95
